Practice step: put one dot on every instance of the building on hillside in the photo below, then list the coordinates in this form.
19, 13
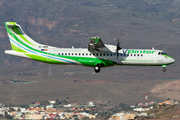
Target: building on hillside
91, 104
152, 103
123, 116
68, 105
37, 103
132, 106
2, 111
142, 114
52, 102
49, 106
165, 102
130, 117
138, 109
92, 116
140, 104
118, 116
35, 117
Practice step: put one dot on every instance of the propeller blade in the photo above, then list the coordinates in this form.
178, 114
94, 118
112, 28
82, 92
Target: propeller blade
118, 48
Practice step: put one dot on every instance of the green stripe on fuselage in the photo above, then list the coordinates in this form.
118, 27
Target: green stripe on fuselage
168, 56
44, 59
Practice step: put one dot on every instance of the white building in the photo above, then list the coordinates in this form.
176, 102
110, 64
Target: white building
91, 104
68, 105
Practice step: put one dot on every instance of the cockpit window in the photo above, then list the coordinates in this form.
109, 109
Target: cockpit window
162, 53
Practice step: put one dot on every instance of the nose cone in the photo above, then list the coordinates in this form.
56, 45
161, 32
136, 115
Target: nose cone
172, 60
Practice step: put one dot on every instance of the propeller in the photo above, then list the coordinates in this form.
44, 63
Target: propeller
118, 48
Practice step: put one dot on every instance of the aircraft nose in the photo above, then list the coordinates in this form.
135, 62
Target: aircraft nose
172, 60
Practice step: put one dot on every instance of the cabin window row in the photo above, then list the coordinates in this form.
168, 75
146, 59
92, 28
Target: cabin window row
99, 54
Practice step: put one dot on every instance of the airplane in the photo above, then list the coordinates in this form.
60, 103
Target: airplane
97, 54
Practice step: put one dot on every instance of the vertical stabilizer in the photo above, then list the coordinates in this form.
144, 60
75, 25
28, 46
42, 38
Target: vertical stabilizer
18, 38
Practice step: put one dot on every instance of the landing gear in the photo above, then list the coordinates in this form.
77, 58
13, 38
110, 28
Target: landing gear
164, 69
97, 68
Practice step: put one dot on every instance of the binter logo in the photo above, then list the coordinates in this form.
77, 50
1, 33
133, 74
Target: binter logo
140, 51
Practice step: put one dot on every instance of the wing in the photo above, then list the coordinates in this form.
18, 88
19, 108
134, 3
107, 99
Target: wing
95, 44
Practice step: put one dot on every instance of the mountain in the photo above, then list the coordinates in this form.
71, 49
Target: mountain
66, 23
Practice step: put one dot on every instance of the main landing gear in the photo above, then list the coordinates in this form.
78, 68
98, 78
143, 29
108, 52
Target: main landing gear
97, 68
164, 68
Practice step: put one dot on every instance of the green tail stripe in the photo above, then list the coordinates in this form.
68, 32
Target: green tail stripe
17, 49
16, 30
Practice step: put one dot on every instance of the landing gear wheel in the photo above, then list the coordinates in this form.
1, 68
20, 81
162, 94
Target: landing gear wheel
97, 69
164, 69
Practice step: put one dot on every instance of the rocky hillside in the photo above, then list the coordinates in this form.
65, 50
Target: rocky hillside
168, 90
64, 23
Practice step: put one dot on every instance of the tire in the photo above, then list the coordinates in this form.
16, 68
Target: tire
97, 69
164, 69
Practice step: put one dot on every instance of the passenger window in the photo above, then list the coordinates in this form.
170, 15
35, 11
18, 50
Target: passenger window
110, 54
141, 55
83, 54
90, 54
69, 54
104, 54
65, 53
100, 54
107, 54
75, 53
93, 54
121, 54
131, 54
137, 54
97, 54
79, 54
59, 54
127, 54
72, 54
134, 54
86, 54
62, 53
124, 54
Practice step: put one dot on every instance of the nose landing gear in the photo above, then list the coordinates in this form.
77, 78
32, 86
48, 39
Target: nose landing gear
164, 68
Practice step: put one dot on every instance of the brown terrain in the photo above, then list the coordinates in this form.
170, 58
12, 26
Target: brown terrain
170, 89
61, 23
165, 112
